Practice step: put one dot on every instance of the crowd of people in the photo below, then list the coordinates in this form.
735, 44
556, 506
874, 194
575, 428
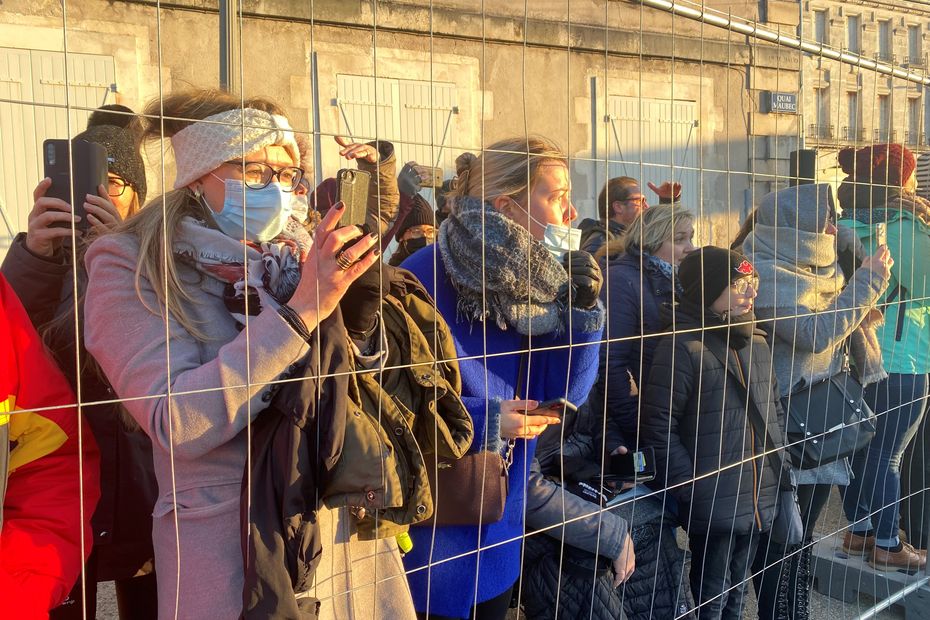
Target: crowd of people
275, 421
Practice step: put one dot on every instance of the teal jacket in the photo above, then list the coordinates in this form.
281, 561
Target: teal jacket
905, 336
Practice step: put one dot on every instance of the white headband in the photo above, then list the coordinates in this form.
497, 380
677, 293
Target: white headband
203, 146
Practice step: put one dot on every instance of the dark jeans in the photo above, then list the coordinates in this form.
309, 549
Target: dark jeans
871, 499
812, 498
915, 488
719, 569
494, 609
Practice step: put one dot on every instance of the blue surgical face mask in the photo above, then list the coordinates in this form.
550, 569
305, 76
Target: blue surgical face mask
557, 239
266, 211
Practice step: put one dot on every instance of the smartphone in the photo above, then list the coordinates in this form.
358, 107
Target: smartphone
89, 164
633, 466
881, 234
352, 189
430, 176
556, 406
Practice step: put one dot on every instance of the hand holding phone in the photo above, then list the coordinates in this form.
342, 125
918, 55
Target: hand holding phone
557, 407
88, 161
633, 466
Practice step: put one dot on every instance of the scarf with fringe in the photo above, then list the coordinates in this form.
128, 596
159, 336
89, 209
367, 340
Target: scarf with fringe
501, 272
265, 273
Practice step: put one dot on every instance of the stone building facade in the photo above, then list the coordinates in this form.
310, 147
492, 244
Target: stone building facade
626, 89
848, 106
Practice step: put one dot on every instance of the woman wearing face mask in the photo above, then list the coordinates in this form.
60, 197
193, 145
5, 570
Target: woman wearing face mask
811, 312
40, 268
508, 294
709, 454
640, 270
417, 231
167, 299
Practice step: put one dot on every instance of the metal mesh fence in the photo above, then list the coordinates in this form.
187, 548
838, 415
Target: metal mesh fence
659, 347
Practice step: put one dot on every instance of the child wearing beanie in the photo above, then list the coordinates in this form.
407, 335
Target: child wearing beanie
710, 412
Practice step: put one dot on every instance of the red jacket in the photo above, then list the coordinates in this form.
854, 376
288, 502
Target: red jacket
49, 462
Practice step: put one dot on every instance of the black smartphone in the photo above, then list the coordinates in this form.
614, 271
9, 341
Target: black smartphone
556, 406
352, 190
89, 163
633, 466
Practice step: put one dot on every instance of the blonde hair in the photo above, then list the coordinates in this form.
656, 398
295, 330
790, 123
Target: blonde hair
156, 225
649, 231
507, 168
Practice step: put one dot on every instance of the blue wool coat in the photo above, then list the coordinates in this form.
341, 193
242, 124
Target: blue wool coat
452, 587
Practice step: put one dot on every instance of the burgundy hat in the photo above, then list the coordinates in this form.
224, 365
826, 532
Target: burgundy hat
884, 164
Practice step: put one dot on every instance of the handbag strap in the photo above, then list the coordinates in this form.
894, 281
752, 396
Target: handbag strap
521, 378
756, 420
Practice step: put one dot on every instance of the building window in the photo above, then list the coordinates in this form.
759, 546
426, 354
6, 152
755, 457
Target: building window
913, 121
884, 40
853, 31
822, 128
915, 52
853, 118
820, 27
884, 118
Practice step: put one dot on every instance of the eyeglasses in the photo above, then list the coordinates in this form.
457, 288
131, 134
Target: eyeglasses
421, 230
256, 174
741, 286
116, 186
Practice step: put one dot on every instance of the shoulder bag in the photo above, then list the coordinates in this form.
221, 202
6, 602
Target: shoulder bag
828, 420
472, 490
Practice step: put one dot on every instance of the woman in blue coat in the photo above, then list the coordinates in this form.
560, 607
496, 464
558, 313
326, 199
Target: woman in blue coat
515, 310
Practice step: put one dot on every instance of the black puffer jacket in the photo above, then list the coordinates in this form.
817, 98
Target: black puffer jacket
695, 417
563, 565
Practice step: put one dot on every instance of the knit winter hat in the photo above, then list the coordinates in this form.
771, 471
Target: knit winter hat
123, 157
204, 145
420, 214
802, 207
883, 164
711, 269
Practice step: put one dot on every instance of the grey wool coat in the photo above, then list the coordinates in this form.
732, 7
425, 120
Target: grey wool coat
199, 435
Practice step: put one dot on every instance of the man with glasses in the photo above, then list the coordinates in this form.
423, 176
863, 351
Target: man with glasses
619, 203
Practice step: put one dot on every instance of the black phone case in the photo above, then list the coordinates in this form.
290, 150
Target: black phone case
621, 466
89, 163
352, 190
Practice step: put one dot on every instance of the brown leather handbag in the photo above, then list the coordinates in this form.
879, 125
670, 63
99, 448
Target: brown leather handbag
471, 490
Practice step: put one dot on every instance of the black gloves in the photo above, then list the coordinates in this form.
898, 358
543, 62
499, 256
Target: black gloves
408, 181
586, 279
361, 303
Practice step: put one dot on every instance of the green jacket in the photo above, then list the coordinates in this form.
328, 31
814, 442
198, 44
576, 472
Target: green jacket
400, 416
905, 335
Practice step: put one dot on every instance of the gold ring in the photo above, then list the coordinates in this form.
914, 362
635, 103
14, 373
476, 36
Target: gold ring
343, 261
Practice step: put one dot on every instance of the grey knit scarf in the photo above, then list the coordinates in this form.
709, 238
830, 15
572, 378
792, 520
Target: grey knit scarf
501, 272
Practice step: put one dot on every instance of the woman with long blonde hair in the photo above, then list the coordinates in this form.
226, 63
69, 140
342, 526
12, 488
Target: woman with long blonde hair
197, 307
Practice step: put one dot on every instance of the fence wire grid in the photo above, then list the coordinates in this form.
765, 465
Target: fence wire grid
465, 309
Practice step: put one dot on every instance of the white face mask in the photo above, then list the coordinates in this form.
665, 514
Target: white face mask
557, 239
